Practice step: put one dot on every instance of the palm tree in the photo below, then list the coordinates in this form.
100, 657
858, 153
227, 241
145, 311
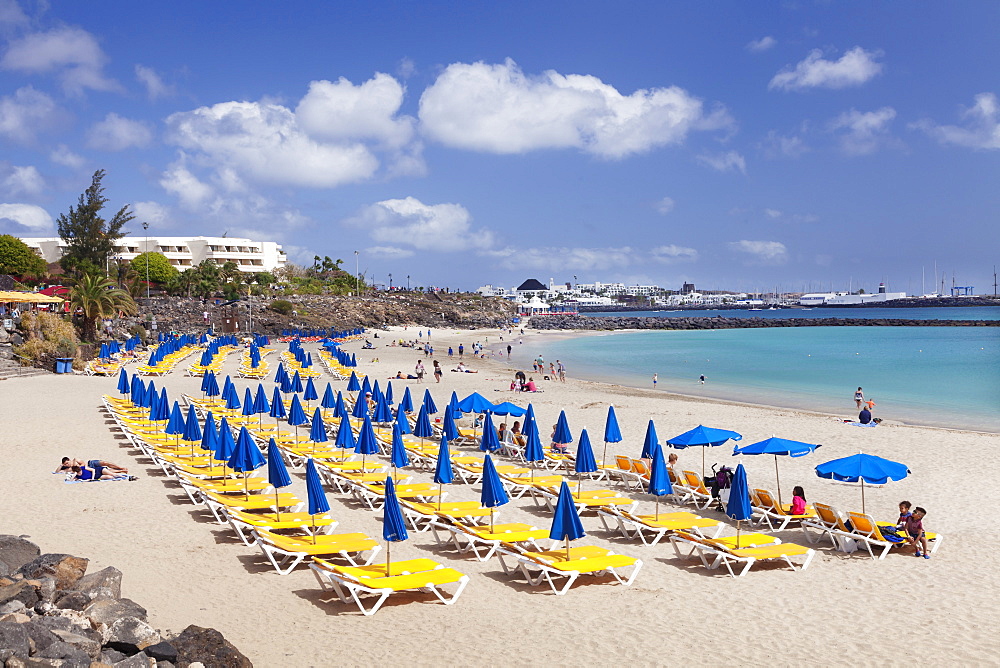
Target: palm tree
98, 297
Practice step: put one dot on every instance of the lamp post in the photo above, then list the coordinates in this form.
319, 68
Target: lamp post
145, 226
390, 282
407, 282
357, 274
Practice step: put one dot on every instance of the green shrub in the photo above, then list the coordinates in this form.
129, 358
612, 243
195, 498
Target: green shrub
46, 337
282, 306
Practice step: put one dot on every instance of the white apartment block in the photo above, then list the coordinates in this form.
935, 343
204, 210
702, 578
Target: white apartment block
183, 252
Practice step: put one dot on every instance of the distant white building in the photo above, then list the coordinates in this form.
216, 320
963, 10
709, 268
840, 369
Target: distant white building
847, 299
183, 252
498, 291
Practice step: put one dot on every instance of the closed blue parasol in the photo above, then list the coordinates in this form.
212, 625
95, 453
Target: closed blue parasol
423, 429
247, 403
443, 475
659, 479
490, 442
376, 392
233, 400
340, 410
507, 408
612, 433
317, 430
393, 523
366, 386
310, 394
533, 451
562, 434
277, 411
449, 428
453, 407
406, 403
318, 503
403, 423
739, 507
367, 441
212, 387
494, 494
204, 380
226, 445
345, 436
352, 383
399, 456
863, 468
649, 442
280, 374
176, 424
329, 400
566, 524
209, 436
429, 403
382, 413
388, 393
296, 415
296, 382
777, 446
702, 436
261, 405
277, 473
585, 462
192, 428
123, 384
246, 457
360, 409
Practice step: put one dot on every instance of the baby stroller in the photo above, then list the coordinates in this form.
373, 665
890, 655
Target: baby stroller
719, 483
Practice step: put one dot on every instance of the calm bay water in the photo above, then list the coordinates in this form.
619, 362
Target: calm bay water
945, 376
929, 313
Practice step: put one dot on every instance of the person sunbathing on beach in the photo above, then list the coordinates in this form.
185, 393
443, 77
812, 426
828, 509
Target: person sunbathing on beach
67, 464
96, 473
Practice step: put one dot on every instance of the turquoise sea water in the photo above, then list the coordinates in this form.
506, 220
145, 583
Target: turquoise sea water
945, 376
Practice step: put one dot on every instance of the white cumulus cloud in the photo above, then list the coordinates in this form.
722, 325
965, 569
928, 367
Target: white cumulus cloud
342, 111
762, 44
862, 133
25, 112
665, 205
116, 133
499, 109
21, 180
153, 213
62, 155
192, 192
389, 252
724, 162
761, 252
152, 82
980, 128
564, 258
854, 68
72, 53
670, 254
776, 145
430, 227
35, 218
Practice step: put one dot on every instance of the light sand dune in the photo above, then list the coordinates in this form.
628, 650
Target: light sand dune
186, 569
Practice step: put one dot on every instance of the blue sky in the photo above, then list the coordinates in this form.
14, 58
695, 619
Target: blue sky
733, 144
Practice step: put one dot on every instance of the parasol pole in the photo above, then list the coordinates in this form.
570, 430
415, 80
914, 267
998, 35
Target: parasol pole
440, 487
604, 458
657, 507
567, 547
246, 490
862, 495
738, 523
313, 518
777, 479
491, 519
388, 546
703, 461
277, 508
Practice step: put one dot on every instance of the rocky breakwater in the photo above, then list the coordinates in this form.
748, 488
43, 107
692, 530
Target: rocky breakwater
54, 614
720, 322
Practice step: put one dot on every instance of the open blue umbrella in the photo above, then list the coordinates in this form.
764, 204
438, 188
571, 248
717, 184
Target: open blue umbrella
423, 428
494, 494
123, 385
585, 462
863, 468
659, 479
612, 433
317, 430
310, 394
192, 429
507, 408
406, 403
296, 415
739, 507
328, 401
399, 457
318, 503
703, 437
403, 423
352, 383
345, 436
566, 524
443, 475
475, 403
777, 446
277, 473
650, 441
562, 434
429, 403
393, 523
246, 457
490, 442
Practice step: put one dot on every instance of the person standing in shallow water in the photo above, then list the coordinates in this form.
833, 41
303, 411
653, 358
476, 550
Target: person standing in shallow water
859, 397
655, 377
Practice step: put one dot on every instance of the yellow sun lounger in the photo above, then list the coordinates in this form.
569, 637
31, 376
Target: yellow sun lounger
423, 515
217, 503
287, 552
547, 566
244, 523
866, 531
475, 538
650, 529
776, 516
350, 582
714, 552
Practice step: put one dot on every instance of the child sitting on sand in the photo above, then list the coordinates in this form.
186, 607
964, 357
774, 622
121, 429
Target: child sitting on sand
915, 536
798, 501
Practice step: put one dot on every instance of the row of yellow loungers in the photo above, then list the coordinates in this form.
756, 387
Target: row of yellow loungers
292, 365
335, 368
167, 364
196, 369
246, 368
832, 524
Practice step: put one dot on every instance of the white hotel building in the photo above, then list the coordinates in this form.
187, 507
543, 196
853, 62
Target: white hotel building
183, 252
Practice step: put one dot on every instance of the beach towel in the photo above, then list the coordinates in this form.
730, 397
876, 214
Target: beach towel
70, 479
858, 424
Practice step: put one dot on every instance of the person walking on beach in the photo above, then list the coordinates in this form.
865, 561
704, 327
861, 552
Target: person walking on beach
437, 371
418, 370
561, 370
461, 349
655, 376
508, 351
859, 397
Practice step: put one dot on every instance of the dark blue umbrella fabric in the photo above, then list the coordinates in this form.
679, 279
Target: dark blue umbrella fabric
246, 455
585, 462
612, 432
277, 405
296, 382
507, 408
210, 434
360, 406
494, 494
328, 401
739, 507
393, 523
367, 442
659, 479
317, 430
475, 403
777, 446
388, 393
212, 388
429, 403
226, 445
382, 413
650, 443
296, 414
247, 403
566, 524
403, 423
352, 384
277, 472
123, 385
703, 436
406, 404
310, 393
399, 457
533, 451
863, 468
490, 441
345, 436
443, 475
314, 490
260, 403
192, 428
449, 429
175, 424
562, 434
423, 427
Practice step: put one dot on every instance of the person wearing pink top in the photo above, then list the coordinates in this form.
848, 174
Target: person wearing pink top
798, 501
915, 536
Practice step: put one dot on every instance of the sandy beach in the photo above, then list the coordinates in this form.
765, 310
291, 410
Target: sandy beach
845, 609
